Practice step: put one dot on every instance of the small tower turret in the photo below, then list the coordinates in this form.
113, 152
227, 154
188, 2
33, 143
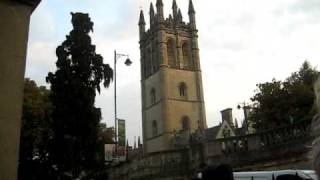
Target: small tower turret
142, 24
139, 142
236, 123
179, 16
174, 9
192, 15
160, 10
151, 12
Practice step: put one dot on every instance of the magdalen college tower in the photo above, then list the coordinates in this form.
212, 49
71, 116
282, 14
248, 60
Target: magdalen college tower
171, 82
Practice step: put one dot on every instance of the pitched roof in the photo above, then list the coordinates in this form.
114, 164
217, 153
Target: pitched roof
211, 133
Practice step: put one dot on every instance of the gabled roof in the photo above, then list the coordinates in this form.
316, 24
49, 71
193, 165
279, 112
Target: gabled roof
211, 133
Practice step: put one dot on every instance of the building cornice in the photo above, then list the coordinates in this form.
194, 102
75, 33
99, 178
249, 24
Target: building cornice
32, 3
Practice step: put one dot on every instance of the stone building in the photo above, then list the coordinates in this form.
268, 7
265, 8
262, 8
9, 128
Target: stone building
171, 82
176, 140
14, 22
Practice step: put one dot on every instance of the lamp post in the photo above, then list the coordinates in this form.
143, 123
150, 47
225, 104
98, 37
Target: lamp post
245, 106
128, 63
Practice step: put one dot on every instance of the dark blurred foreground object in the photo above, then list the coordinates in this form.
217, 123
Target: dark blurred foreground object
289, 177
14, 23
316, 129
221, 172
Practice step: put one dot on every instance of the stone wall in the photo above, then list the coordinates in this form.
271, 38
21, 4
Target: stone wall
165, 165
287, 147
283, 148
14, 23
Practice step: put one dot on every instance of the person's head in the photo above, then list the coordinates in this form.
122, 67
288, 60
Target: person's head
208, 173
224, 172
221, 172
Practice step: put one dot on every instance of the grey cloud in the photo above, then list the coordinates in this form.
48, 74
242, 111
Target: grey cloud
306, 6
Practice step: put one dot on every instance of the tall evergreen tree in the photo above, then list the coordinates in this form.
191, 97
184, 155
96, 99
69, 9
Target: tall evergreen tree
79, 74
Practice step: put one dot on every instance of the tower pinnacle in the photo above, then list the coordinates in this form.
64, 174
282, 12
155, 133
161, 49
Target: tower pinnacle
179, 16
159, 5
191, 8
174, 8
192, 15
142, 24
141, 19
151, 12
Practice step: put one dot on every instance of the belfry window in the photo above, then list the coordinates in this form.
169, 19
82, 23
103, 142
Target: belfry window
171, 52
185, 123
154, 128
183, 89
153, 96
186, 55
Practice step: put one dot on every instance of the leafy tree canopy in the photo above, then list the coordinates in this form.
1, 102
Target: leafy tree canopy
278, 103
35, 130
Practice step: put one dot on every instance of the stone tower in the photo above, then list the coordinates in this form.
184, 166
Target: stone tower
171, 82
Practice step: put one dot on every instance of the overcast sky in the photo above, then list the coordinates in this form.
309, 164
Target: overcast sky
242, 43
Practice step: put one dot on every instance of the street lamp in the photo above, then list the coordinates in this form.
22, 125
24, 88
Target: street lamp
245, 108
128, 63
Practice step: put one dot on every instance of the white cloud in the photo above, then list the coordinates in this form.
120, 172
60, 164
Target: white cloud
242, 43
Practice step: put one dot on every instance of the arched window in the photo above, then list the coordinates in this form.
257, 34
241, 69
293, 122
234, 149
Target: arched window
154, 128
185, 123
186, 55
153, 96
171, 53
155, 58
183, 89
147, 65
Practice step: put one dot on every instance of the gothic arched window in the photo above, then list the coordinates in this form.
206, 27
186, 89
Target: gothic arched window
186, 55
153, 96
155, 58
148, 62
185, 123
171, 52
183, 89
154, 128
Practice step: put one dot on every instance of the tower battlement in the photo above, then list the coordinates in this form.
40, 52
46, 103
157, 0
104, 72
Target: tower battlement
173, 21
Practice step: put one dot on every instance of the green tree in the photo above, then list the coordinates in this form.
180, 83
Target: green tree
79, 73
278, 103
299, 87
35, 130
106, 134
